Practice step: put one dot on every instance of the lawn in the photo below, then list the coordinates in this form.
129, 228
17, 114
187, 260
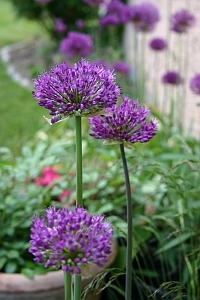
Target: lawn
21, 117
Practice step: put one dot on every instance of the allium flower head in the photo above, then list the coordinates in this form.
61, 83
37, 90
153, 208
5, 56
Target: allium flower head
195, 84
60, 26
158, 44
80, 24
144, 16
122, 68
94, 2
70, 240
117, 13
125, 124
76, 44
83, 90
182, 20
172, 77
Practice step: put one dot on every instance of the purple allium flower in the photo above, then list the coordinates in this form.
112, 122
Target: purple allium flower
172, 77
76, 44
59, 25
182, 20
70, 239
144, 16
125, 124
82, 90
117, 13
195, 84
80, 24
122, 68
94, 2
158, 44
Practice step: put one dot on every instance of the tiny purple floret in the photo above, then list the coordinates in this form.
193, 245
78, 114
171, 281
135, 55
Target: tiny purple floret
125, 124
70, 239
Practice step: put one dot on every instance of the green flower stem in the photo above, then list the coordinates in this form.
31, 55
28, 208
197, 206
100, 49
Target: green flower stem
77, 287
68, 286
128, 288
79, 184
79, 192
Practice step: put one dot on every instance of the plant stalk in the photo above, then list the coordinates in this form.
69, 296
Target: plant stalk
128, 287
68, 286
77, 287
79, 184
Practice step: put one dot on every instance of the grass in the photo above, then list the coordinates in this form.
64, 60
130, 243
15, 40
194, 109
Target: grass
21, 117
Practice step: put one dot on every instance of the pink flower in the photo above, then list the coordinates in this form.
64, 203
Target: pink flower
48, 176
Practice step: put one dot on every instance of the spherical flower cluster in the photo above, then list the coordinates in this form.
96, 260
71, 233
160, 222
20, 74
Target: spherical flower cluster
94, 2
172, 77
70, 239
182, 20
83, 90
117, 13
76, 44
122, 68
195, 84
158, 44
125, 124
59, 25
144, 16
80, 24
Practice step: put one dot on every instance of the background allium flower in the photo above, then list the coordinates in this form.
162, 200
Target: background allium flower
125, 123
59, 25
48, 176
122, 68
93, 2
182, 20
110, 20
118, 9
144, 16
82, 90
70, 239
80, 24
195, 84
76, 44
172, 77
158, 44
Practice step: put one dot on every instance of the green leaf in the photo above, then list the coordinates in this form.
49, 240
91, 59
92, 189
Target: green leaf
12, 254
3, 260
11, 267
177, 241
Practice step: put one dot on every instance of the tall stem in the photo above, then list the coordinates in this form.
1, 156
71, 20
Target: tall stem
79, 184
68, 286
128, 289
79, 192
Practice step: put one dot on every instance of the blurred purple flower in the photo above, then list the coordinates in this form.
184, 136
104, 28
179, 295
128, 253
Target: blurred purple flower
82, 90
172, 77
122, 68
80, 24
70, 239
101, 62
93, 2
144, 16
117, 13
76, 44
158, 44
182, 20
195, 84
59, 25
125, 124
